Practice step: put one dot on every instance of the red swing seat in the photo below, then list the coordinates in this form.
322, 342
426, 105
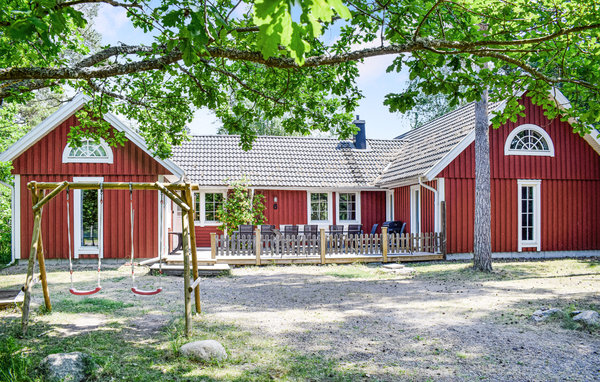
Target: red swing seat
143, 292
84, 292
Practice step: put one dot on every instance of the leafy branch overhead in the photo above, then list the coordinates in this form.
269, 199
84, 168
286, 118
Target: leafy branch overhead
296, 61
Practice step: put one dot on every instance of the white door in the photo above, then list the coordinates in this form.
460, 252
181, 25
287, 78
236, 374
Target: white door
87, 219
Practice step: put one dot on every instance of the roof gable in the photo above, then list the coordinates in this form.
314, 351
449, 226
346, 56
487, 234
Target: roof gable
61, 115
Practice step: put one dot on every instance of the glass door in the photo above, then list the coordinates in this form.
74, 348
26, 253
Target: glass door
87, 218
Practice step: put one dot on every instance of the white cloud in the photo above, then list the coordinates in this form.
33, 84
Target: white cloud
205, 122
111, 21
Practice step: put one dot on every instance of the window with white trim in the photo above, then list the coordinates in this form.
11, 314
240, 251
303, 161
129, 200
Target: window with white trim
529, 214
529, 139
319, 206
88, 152
206, 205
347, 206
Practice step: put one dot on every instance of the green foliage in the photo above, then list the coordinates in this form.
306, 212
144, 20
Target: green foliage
14, 365
241, 207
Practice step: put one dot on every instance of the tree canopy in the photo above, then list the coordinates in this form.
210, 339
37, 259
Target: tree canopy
268, 59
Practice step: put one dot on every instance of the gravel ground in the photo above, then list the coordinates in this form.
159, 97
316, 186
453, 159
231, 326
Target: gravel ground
393, 327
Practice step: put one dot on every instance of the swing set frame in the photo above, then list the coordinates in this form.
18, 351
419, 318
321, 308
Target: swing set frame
179, 193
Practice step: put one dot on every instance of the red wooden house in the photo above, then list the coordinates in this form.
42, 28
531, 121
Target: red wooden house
544, 179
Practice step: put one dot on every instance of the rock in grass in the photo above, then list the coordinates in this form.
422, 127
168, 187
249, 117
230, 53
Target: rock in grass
542, 314
588, 317
206, 350
393, 266
67, 367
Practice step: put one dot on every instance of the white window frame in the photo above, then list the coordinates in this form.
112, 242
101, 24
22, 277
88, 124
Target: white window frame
357, 207
537, 214
78, 248
203, 222
415, 218
320, 223
67, 158
389, 204
536, 128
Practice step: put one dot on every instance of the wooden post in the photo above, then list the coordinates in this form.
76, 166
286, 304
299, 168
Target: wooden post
257, 245
384, 243
37, 226
213, 245
186, 272
443, 221
40, 254
323, 245
190, 203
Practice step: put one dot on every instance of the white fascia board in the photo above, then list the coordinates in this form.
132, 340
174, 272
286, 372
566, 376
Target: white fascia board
48, 124
401, 183
448, 158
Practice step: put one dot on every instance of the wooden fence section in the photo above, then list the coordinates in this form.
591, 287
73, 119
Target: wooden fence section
326, 248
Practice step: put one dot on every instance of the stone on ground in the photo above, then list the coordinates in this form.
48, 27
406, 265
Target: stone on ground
588, 317
542, 314
206, 350
67, 367
394, 266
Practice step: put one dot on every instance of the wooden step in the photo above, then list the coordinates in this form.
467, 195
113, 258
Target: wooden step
203, 270
178, 259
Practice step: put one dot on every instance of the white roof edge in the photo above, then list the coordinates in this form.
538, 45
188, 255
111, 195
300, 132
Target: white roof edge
64, 112
448, 158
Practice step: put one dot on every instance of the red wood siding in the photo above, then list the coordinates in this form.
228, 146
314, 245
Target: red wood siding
43, 162
372, 209
45, 157
402, 207
570, 181
291, 207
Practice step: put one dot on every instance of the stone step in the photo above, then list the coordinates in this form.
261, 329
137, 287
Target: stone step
203, 270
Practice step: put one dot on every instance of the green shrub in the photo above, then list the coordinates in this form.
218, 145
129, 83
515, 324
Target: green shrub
14, 366
5, 225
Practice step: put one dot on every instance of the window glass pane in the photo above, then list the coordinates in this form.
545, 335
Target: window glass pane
212, 203
197, 207
529, 140
89, 218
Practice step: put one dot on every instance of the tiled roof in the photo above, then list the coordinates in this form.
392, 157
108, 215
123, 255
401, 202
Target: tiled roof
427, 145
303, 162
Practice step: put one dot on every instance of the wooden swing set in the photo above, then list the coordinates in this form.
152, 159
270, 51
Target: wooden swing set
40, 196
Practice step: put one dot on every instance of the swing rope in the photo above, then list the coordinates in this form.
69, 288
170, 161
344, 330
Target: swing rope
98, 287
133, 287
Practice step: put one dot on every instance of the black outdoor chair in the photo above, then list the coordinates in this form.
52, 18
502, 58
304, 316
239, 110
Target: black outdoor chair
395, 226
355, 229
374, 229
311, 230
246, 230
290, 230
336, 229
266, 230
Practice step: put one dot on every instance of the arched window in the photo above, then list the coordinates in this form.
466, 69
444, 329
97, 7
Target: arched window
88, 152
529, 139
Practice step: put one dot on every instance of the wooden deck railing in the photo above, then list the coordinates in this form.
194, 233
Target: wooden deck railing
326, 248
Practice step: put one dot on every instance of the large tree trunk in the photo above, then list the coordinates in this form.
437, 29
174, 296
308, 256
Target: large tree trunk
482, 259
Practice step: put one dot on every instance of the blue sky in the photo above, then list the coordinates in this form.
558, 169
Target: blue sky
374, 82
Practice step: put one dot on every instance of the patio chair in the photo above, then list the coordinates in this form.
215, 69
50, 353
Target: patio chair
374, 228
336, 229
311, 230
290, 230
266, 230
354, 229
246, 230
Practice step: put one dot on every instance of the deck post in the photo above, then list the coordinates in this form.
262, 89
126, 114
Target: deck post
190, 203
40, 252
443, 221
213, 245
257, 245
384, 243
186, 272
323, 245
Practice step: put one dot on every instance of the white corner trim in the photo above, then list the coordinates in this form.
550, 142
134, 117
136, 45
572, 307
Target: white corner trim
67, 158
17, 217
321, 223
537, 220
65, 112
389, 205
537, 129
357, 211
441, 186
415, 215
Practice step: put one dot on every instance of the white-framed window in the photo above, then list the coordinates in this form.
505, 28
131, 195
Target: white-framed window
415, 209
87, 219
529, 214
88, 152
206, 205
389, 212
529, 139
348, 207
320, 207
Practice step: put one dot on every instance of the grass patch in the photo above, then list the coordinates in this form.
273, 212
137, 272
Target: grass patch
357, 271
14, 365
90, 305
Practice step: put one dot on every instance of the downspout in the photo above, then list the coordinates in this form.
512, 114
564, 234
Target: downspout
436, 202
12, 222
